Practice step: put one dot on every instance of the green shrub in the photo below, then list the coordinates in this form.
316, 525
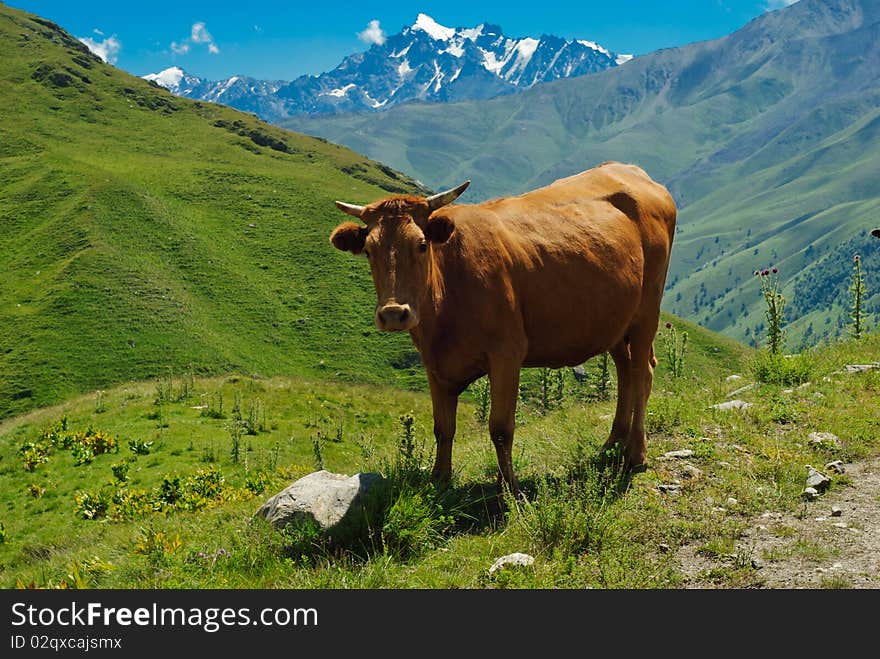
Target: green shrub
120, 470
33, 455
139, 446
257, 482
572, 516
93, 505
774, 368
413, 524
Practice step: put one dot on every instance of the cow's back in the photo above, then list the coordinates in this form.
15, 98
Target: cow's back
571, 265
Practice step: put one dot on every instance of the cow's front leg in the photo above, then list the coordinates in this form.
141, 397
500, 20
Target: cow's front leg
445, 403
504, 383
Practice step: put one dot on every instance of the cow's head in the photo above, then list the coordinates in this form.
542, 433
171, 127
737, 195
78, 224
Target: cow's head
398, 235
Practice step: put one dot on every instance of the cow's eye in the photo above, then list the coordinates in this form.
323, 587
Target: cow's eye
423, 246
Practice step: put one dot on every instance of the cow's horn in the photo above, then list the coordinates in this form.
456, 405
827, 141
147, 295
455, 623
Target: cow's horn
351, 209
876, 233
442, 198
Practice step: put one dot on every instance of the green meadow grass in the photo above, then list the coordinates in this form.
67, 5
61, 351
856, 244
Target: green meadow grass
585, 527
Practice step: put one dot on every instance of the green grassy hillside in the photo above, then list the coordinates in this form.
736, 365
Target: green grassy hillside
141, 231
768, 139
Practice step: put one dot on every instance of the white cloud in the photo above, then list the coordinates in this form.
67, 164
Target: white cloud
198, 35
770, 5
107, 50
373, 34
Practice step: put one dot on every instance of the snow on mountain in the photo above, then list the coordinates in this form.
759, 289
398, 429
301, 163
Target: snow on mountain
426, 62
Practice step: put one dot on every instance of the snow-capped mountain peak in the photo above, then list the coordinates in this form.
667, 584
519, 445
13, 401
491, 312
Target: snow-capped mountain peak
425, 61
433, 28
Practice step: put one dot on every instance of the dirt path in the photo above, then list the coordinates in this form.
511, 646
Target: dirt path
811, 548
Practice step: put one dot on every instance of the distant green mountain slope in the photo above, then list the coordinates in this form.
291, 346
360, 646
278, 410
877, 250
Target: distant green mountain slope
769, 139
140, 231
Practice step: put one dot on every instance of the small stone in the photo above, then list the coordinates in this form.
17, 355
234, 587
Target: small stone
722, 463
817, 480
841, 525
733, 378
691, 472
737, 392
663, 547
788, 391
580, 374
757, 564
732, 405
682, 453
836, 466
810, 493
512, 560
836, 511
669, 488
823, 439
804, 385
732, 502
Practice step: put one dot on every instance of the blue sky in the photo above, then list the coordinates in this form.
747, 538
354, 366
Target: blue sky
282, 40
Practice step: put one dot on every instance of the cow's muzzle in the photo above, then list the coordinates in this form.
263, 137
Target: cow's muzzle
396, 318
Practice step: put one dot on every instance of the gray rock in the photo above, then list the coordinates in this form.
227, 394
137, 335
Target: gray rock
691, 472
669, 488
859, 368
663, 547
817, 480
335, 502
732, 502
836, 466
733, 378
810, 493
512, 560
757, 564
579, 373
732, 405
836, 511
737, 392
682, 453
823, 439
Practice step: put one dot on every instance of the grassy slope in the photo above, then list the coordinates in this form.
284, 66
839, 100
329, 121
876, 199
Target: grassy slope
767, 138
582, 535
142, 231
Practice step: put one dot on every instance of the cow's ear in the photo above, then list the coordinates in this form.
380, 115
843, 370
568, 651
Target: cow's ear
439, 229
349, 237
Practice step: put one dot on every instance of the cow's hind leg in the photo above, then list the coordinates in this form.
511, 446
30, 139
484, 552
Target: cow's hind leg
623, 415
635, 448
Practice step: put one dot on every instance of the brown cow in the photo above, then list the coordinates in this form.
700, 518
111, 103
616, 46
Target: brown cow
549, 278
